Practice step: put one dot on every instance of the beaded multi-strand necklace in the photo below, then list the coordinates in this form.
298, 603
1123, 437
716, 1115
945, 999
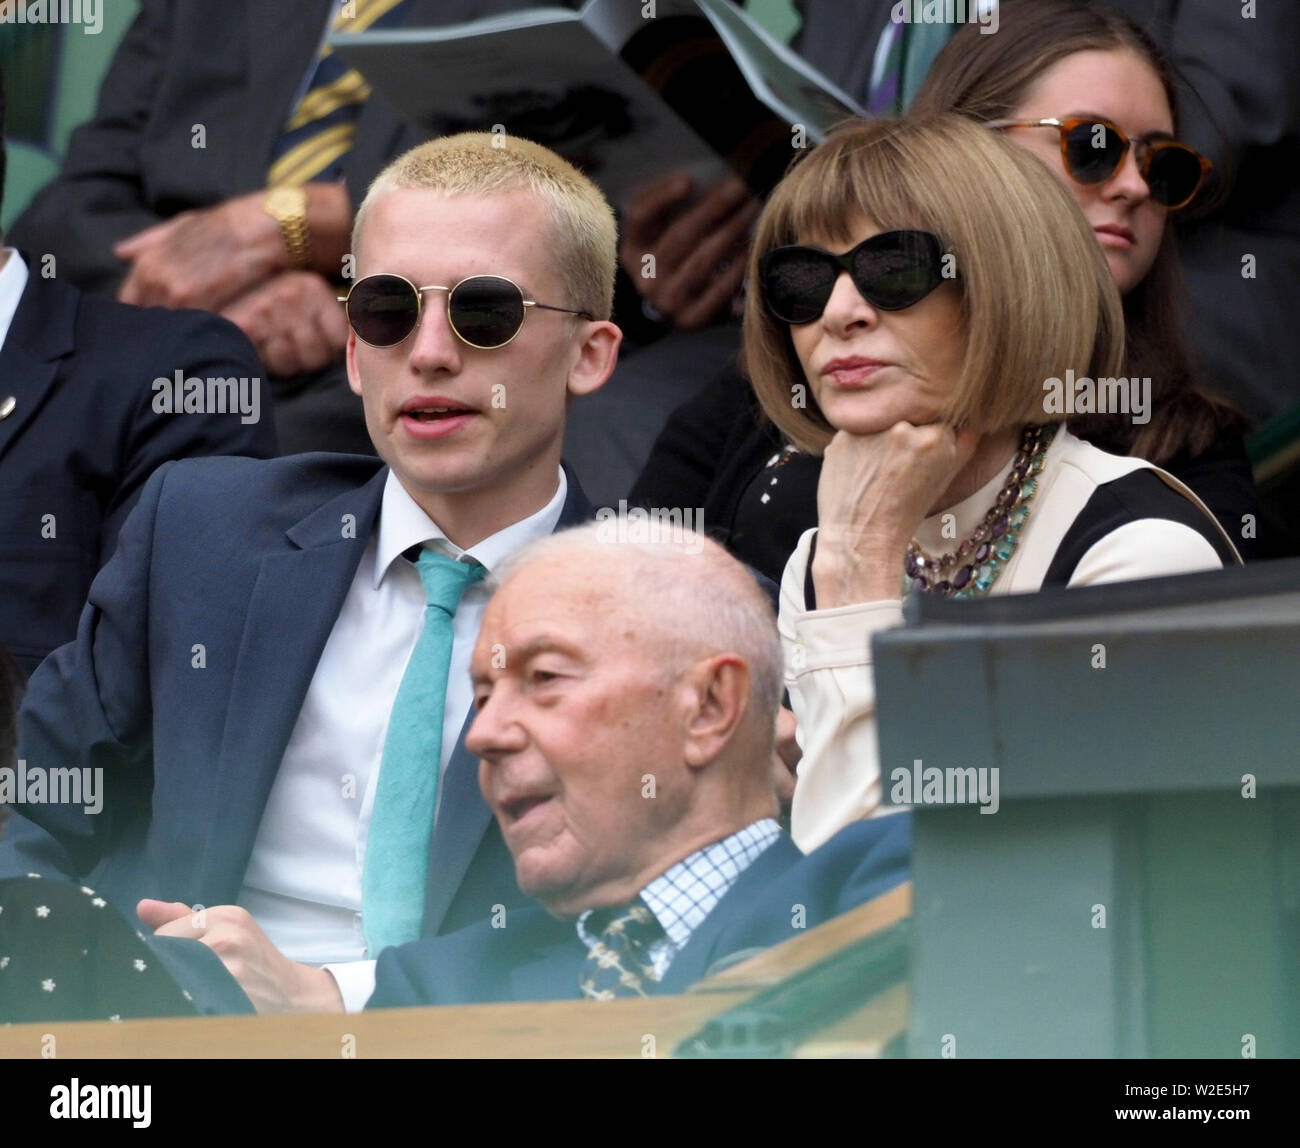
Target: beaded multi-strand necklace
973, 567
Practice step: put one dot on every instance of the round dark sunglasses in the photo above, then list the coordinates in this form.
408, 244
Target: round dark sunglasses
484, 311
1092, 151
892, 270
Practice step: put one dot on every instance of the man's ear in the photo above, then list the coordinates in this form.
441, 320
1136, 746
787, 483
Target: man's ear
354, 376
596, 358
717, 699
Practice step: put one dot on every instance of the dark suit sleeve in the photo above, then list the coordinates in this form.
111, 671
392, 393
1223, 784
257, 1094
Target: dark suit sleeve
534, 956
458, 968
784, 893
879, 850
839, 40
199, 972
88, 705
685, 458
861, 862
99, 196
400, 977
203, 346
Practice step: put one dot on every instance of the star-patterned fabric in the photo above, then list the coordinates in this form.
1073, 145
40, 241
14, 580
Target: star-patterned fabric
67, 954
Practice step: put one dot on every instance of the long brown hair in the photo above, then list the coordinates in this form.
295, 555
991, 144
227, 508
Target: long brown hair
986, 78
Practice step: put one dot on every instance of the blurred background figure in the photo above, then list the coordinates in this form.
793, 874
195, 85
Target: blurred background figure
137, 163
682, 325
758, 493
221, 169
80, 434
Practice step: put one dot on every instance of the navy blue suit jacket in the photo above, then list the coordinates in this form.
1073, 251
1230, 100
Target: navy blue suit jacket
538, 957
82, 438
251, 561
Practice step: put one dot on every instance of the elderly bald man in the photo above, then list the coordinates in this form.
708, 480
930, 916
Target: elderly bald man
627, 699
627, 696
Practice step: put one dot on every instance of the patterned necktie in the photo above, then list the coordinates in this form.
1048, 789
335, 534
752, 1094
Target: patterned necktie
397, 847
323, 126
618, 964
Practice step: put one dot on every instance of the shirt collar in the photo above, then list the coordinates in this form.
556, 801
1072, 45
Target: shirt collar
402, 524
13, 282
688, 891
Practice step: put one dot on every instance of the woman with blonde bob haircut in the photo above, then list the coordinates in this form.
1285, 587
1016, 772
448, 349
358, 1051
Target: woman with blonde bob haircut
921, 290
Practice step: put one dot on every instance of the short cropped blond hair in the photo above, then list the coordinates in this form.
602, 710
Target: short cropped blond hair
1037, 295
585, 237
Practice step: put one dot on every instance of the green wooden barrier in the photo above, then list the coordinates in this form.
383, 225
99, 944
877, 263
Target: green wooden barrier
1137, 892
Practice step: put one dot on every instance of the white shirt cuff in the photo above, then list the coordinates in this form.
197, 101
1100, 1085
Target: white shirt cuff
356, 981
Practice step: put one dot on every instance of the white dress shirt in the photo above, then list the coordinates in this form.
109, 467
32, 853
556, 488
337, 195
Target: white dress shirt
303, 883
13, 282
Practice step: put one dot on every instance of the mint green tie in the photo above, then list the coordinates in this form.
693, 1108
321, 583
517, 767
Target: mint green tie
397, 848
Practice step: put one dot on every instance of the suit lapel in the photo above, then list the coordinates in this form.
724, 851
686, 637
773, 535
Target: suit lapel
577, 506
40, 335
550, 970
705, 948
381, 128
279, 56
463, 816
293, 608
552, 975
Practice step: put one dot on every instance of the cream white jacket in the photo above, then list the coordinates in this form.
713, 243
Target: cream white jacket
828, 652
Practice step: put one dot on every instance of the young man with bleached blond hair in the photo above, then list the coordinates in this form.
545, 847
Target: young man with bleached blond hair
278, 653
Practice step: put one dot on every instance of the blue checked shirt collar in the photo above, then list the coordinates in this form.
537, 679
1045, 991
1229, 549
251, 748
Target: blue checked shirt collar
687, 892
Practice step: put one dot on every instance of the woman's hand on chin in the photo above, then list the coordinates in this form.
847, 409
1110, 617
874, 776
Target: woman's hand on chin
873, 493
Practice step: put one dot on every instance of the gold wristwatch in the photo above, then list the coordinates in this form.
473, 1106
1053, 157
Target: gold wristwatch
288, 207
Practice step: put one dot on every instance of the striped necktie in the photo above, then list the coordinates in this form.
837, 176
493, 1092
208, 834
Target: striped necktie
401, 823
323, 126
